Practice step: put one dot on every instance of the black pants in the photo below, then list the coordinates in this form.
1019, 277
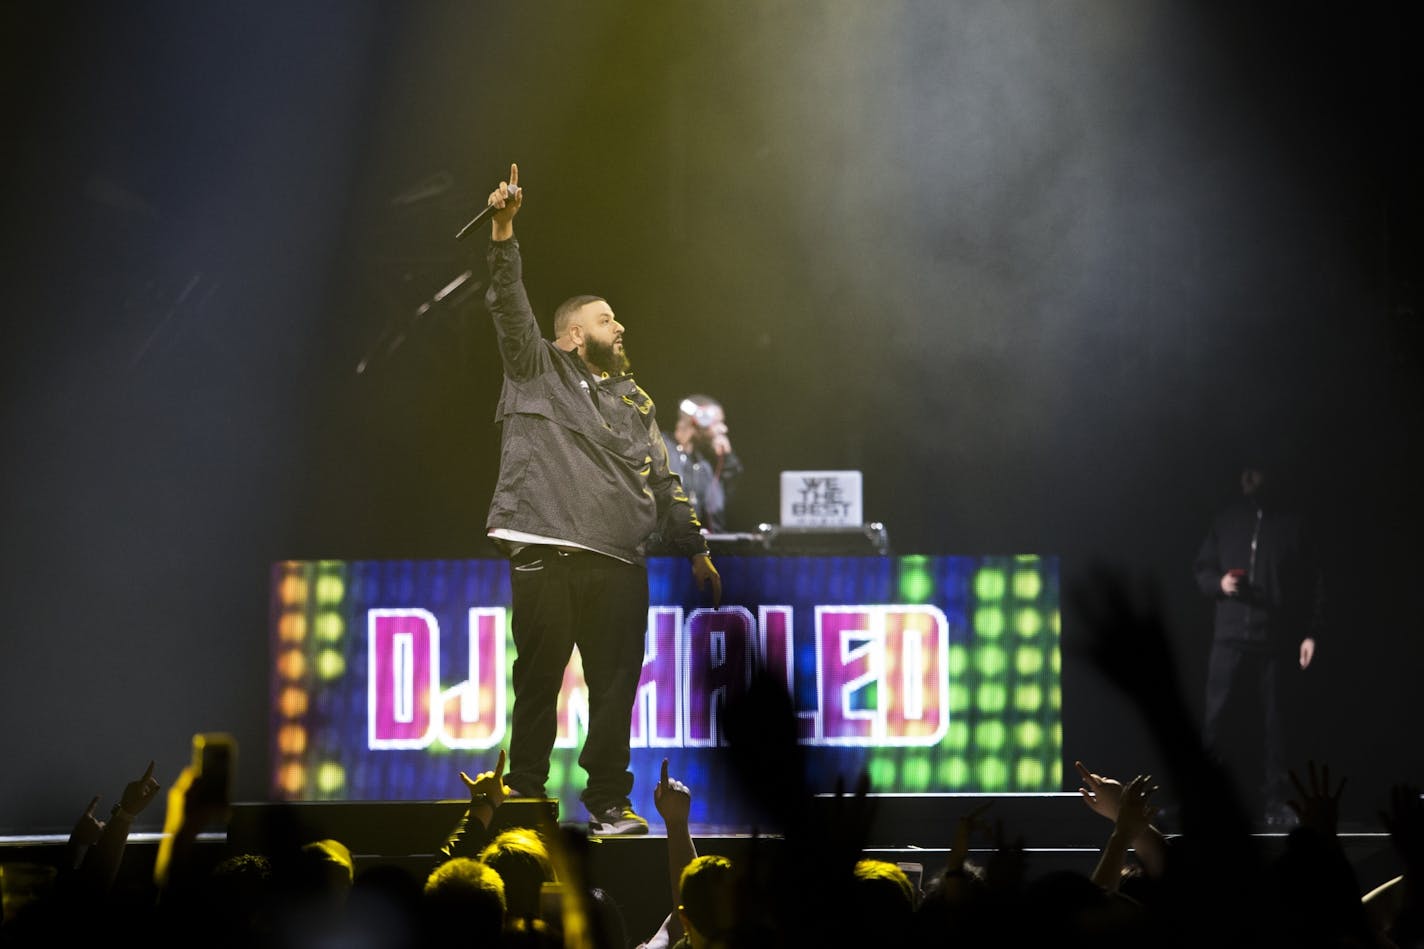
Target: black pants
1243, 721
599, 604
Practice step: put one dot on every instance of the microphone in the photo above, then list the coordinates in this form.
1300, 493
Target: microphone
484, 215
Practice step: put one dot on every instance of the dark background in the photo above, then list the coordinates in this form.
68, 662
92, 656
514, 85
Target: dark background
1043, 272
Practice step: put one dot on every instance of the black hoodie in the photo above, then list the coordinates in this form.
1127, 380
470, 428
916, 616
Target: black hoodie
1282, 599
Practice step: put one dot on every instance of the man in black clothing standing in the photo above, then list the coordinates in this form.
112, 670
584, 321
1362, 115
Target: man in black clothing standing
583, 487
1259, 564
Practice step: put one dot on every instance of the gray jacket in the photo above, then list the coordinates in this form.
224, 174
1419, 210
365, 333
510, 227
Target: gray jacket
581, 458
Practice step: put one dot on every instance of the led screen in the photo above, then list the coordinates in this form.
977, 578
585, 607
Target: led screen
934, 674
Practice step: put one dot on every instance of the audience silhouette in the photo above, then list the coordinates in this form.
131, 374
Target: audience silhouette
806, 877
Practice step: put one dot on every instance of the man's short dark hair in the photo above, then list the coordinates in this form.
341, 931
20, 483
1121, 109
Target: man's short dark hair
568, 308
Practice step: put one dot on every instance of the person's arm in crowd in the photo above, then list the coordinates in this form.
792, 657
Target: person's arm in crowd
673, 800
959, 880
1317, 806
83, 835
1133, 818
195, 803
1103, 796
101, 864
1124, 635
487, 793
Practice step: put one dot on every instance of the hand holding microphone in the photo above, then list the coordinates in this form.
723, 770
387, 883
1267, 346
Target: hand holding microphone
503, 204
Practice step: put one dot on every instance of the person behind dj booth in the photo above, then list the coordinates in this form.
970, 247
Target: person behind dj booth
700, 453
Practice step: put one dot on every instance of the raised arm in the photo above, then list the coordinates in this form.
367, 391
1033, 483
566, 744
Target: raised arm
487, 793
507, 198
1134, 815
1103, 796
520, 345
673, 800
101, 865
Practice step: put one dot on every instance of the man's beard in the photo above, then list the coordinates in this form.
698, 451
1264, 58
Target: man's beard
607, 358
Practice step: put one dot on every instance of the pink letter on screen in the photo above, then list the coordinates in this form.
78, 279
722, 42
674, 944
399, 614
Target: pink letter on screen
849, 655
657, 713
915, 693
721, 645
403, 649
474, 709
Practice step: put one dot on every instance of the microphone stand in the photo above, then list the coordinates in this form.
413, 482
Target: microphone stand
395, 332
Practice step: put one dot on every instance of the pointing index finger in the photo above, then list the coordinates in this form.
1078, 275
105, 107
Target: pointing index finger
513, 176
664, 779
149, 773
499, 765
92, 804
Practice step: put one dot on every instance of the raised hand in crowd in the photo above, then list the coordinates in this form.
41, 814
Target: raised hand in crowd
487, 791
673, 801
1103, 796
195, 804
83, 835
1006, 868
1317, 890
101, 864
1132, 819
968, 824
1317, 806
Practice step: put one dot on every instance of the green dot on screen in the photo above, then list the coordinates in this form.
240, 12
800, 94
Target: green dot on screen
1028, 661
1027, 623
916, 585
915, 774
989, 584
990, 735
330, 664
1029, 774
1027, 584
330, 778
991, 697
993, 774
991, 661
989, 622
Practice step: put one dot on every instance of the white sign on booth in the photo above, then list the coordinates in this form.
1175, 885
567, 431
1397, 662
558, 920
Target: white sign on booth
821, 499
